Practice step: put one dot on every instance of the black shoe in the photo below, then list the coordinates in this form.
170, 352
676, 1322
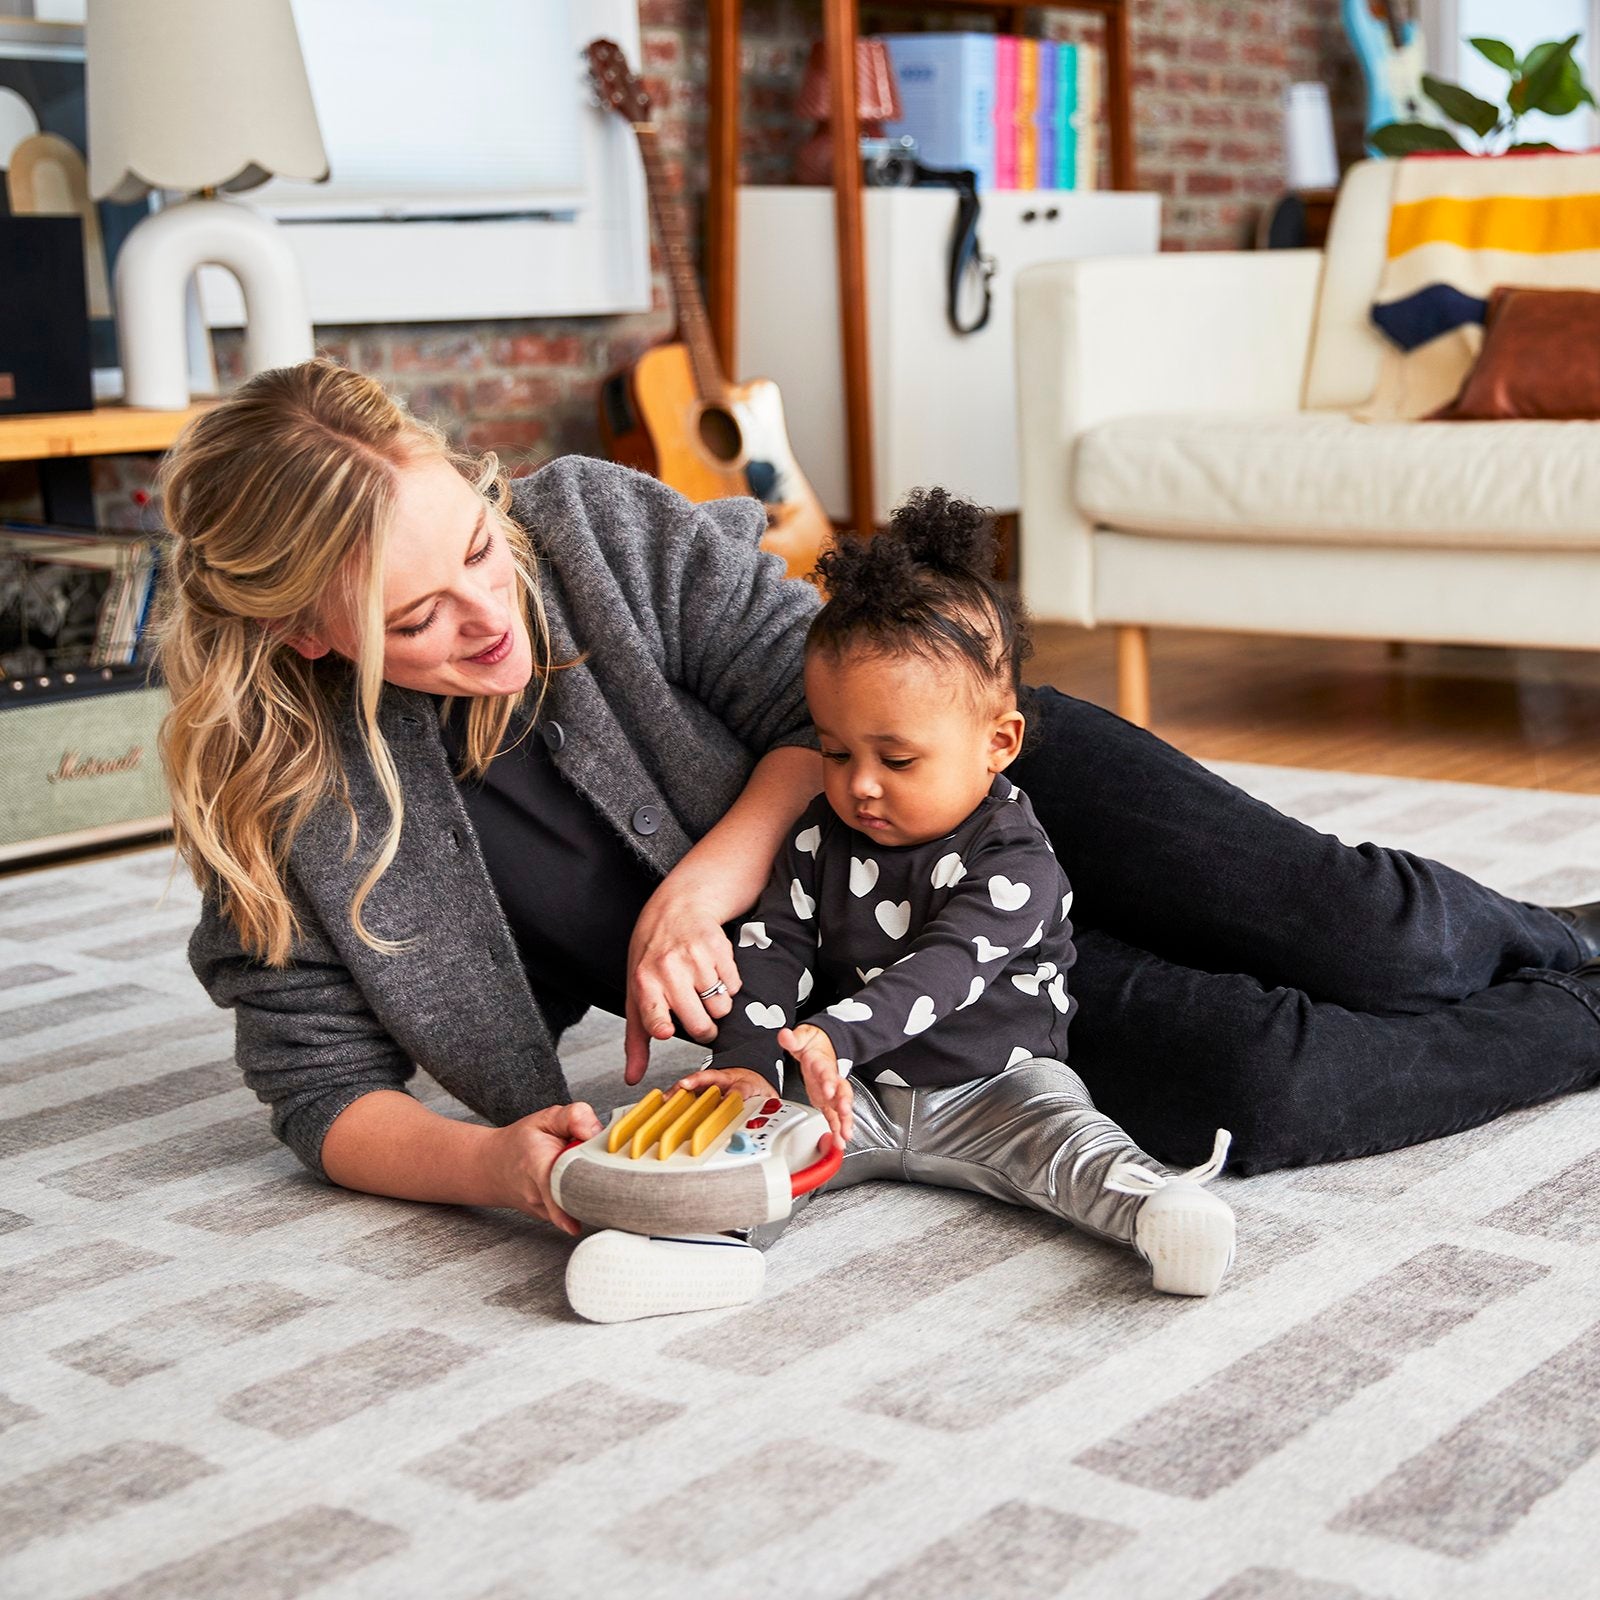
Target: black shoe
1584, 923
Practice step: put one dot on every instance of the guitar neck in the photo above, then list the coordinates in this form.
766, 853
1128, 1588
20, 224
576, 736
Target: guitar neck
693, 323
1396, 15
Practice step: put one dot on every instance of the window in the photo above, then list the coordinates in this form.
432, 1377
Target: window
1448, 24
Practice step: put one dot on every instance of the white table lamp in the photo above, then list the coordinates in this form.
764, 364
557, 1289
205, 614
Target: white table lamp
199, 97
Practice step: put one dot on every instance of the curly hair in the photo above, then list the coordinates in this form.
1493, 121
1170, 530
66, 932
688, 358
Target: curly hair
925, 588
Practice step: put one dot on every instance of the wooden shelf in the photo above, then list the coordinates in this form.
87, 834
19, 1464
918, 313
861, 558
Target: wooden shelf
841, 28
109, 430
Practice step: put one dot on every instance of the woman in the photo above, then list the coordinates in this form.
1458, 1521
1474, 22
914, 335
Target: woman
454, 760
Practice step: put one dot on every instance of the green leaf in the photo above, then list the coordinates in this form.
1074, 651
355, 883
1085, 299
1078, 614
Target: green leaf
1410, 138
1542, 72
1567, 95
1502, 55
1461, 105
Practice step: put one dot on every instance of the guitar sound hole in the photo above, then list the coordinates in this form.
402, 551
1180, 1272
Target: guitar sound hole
719, 433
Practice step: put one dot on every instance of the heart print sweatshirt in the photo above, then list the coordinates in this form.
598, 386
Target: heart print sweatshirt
926, 965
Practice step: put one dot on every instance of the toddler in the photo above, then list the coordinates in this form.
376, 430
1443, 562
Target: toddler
912, 948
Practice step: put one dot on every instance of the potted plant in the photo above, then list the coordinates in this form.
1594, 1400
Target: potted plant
1547, 79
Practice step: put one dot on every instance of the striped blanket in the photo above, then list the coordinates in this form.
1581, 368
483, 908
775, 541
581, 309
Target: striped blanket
1459, 227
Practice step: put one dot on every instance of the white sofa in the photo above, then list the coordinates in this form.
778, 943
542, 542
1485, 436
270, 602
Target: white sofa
1189, 458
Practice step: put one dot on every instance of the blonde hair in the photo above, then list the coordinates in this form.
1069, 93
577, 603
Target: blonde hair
278, 500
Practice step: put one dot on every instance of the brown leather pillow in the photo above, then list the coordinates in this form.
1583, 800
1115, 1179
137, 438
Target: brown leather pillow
1540, 359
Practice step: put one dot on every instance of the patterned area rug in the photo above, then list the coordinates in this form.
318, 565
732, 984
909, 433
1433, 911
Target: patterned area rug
221, 1379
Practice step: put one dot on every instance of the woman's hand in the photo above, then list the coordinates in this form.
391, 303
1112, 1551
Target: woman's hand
827, 1088
677, 952
518, 1158
730, 1080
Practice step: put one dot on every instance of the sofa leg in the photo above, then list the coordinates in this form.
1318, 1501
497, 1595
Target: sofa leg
1133, 675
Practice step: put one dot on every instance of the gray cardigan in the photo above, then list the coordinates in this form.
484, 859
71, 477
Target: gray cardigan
692, 641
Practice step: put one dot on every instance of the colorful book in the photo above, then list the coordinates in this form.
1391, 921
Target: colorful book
1045, 117
1088, 119
947, 91
1027, 113
1005, 112
1066, 116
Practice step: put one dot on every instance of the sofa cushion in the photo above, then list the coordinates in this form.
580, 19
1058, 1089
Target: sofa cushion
1322, 477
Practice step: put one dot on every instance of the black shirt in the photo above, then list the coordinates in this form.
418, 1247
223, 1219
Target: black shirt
571, 889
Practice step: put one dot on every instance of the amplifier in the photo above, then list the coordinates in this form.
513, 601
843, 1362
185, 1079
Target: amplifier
81, 771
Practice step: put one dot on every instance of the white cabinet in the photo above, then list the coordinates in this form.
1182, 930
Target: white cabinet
943, 405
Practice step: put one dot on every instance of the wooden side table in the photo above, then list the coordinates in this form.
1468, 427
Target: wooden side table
60, 440
841, 23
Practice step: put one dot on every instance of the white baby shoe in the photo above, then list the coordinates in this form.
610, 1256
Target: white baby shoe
1184, 1231
615, 1277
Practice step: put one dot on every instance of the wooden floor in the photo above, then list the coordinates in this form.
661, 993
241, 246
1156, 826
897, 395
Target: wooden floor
1523, 718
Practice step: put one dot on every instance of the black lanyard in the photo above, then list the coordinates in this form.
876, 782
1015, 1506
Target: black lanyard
966, 254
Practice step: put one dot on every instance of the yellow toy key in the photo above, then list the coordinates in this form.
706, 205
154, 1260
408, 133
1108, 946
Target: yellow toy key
626, 1126
650, 1130
680, 1130
728, 1112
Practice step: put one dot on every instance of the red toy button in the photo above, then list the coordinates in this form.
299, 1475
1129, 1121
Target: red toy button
756, 1122
771, 1108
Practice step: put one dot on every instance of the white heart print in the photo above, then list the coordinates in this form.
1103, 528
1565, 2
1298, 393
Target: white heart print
1008, 896
1066, 905
808, 841
972, 994
893, 1079
755, 933
1058, 995
1018, 1054
863, 875
948, 871
764, 1016
988, 952
867, 976
848, 1010
1027, 982
806, 981
844, 1064
923, 1016
1034, 937
804, 906
894, 917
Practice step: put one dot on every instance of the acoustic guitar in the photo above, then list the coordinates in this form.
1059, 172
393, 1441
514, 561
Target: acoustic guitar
673, 413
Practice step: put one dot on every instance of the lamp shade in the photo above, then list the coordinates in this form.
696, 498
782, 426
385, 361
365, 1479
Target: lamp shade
877, 93
193, 94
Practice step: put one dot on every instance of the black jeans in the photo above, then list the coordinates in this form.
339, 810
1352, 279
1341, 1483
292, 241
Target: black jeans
1238, 969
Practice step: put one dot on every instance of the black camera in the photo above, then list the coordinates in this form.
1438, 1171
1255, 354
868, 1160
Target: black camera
889, 163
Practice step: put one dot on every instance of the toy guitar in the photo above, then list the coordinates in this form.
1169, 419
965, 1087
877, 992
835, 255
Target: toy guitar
695, 1164
673, 413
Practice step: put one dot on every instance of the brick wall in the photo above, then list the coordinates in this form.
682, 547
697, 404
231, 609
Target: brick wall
1209, 77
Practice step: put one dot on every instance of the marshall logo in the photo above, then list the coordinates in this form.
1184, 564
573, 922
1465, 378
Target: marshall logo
75, 766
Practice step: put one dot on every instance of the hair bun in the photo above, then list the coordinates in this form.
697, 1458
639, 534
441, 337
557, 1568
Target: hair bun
945, 533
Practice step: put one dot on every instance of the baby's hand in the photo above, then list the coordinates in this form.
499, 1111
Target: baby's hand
730, 1080
828, 1088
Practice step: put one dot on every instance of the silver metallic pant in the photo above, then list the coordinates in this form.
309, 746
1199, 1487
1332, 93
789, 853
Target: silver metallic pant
1030, 1135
